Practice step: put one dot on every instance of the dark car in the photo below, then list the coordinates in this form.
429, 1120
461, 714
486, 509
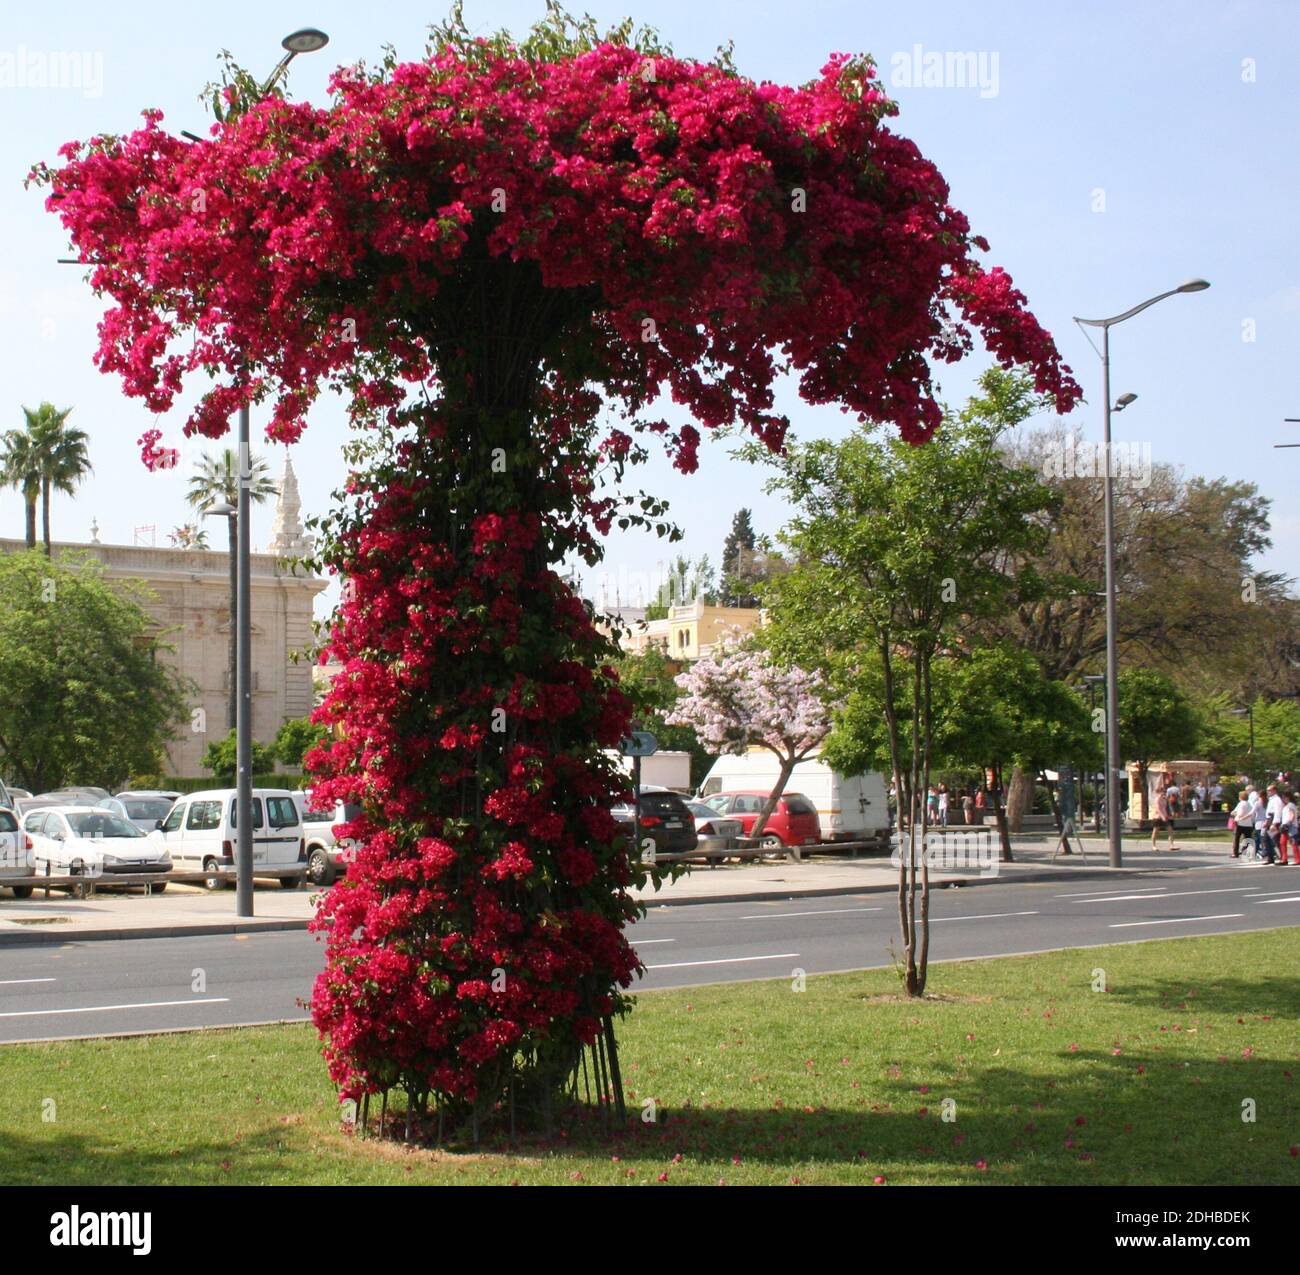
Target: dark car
666, 820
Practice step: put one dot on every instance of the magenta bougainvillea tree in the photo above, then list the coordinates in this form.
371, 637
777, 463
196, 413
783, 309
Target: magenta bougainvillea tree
506, 256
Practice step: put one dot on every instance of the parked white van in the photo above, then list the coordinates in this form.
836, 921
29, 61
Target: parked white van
200, 833
852, 808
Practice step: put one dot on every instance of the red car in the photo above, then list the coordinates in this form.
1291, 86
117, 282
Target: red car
794, 822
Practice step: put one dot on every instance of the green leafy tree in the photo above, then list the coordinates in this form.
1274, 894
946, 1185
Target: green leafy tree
296, 738
1000, 710
1258, 742
648, 678
1156, 722
221, 758
900, 551
85, 698
216, 480
737, 557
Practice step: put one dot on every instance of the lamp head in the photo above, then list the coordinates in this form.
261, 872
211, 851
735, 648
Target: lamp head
308, 40
1193, 285
1124, 400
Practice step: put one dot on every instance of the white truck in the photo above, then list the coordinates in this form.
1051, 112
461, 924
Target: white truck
849, 808
661, 770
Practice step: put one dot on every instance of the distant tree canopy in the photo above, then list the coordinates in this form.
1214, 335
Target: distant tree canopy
221, 758
648, 680
1190, 601
296, 738
83, 697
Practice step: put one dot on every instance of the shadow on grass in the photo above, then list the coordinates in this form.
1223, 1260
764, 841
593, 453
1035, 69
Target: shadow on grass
1275, 995
77, 1159
1143, 1118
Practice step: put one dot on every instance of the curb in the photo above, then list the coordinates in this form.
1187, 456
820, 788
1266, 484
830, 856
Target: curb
53, 935
208, 928
891, 887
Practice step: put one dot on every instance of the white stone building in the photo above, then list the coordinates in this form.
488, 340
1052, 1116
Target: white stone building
191, 612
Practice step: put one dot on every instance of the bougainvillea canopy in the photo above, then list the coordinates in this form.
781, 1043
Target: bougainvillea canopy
504, 255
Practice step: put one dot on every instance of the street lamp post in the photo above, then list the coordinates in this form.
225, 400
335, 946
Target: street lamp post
1112, 658
305, 41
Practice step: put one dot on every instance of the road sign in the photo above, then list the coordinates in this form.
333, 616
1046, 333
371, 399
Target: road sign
640, 743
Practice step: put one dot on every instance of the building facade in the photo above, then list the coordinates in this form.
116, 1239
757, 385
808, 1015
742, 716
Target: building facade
692, 630
190, 609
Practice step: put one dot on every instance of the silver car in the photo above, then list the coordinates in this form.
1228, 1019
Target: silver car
716, 834
145, 810
327, 856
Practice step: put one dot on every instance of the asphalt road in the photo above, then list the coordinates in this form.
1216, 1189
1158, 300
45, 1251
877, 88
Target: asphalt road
146, 985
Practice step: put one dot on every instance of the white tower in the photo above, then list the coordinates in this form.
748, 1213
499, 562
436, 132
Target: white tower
288, 539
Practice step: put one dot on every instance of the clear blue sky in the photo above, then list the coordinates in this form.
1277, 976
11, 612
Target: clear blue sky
1155, 105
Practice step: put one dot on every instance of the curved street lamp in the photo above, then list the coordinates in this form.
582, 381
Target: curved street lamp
1112, 660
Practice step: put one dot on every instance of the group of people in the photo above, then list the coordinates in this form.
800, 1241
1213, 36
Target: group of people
974, 804
1267, 824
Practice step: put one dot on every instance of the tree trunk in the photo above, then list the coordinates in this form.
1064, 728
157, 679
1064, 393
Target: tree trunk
787, 768
1000, 812
31, 523
1142, 782
45, 514
233, 698
1020, 798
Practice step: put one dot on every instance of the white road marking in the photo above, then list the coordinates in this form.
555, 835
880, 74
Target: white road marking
728, 960
9, 982
1170, 894
987, 916
98, 1009
1174, 920
1155, 889
1266, 894
763, 916
1295, 898
646, 942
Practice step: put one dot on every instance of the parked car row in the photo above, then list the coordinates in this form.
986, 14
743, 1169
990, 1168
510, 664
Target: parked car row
87, 832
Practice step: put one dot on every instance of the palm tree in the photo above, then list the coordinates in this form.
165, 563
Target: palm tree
60, 454
216, 480
20, 468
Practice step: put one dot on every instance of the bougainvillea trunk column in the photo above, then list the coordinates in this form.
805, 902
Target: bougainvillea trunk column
483, 250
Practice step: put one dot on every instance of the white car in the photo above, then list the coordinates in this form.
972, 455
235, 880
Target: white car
77, 841
327, 856
14, 858
200, 834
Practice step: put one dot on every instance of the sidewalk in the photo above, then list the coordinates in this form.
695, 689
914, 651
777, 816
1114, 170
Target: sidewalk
184, 911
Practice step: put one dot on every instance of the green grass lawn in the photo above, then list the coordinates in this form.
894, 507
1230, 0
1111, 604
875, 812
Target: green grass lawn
1050, 1081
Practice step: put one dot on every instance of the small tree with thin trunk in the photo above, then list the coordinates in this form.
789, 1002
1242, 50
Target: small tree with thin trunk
742, 700
901, 551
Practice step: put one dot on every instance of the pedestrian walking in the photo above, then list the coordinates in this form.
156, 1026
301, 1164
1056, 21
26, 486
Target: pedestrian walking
1163, 816
1287, 834
943, 805
1243, 823
1268, 838
968, 807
